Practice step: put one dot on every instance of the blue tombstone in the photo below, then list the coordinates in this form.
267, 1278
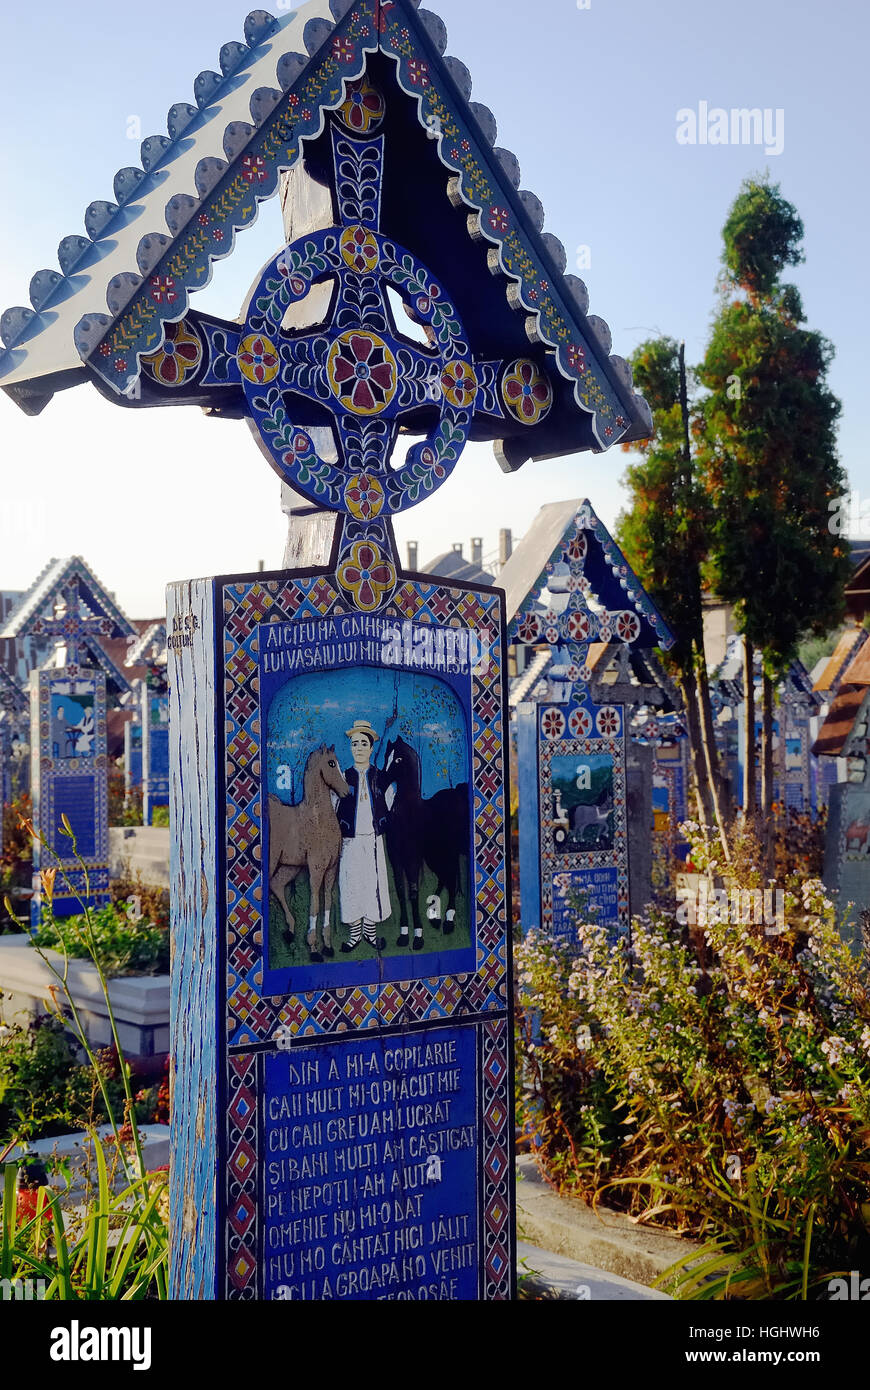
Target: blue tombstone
342, 996
571, 754
68, 708
151, 760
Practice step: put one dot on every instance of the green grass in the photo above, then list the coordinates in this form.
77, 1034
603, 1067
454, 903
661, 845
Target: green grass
282, 956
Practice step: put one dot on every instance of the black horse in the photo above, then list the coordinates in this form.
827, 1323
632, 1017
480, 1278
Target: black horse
433, 831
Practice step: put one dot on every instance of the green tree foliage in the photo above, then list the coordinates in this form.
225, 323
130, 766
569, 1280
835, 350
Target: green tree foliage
762, 236
771, 469
664, 531
769, 457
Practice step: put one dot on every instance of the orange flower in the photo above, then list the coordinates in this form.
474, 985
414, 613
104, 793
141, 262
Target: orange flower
48, 876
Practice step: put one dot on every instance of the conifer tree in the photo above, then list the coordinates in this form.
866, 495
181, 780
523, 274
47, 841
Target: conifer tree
664, 534
769, 457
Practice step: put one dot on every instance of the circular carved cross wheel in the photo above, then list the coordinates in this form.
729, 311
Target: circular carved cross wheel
356, 373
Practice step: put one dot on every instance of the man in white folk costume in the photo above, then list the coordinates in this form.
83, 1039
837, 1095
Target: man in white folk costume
362, 815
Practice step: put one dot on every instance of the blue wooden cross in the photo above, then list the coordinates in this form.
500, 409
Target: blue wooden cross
72, 629
358, 373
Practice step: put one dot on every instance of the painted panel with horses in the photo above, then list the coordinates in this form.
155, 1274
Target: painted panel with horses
367, 782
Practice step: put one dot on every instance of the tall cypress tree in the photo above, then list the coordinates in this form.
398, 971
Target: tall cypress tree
664, 534
769, 457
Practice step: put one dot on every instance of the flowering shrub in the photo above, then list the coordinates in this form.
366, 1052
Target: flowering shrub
715, 1079
123, 947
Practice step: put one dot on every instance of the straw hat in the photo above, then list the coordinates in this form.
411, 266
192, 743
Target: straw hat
362, 726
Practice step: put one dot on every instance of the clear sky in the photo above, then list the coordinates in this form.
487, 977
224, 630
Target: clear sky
587, 99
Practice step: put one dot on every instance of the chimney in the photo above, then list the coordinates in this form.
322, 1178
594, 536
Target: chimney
505, 546
477, 551
412, 556
457, 547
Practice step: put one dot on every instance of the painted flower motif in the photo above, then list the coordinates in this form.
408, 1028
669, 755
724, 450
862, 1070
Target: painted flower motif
367, 575
105, 349
627, 626
217, 234
163, 289
364, 497
466, 145
300, 448
178, 358
258, 358
551, 633
607, 721
576, 548
576, 358
608, 430
578, 626
429, 458
359, 250
342, 50
254, 168
362, 372
363, 107
459, 384
620, 420
526, 392
580, 723
425, 302
498, 219
418, 73
203, 219
120, 364
529, 630
553, 723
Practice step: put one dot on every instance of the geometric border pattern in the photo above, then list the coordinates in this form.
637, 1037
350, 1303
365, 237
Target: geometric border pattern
553, 862
45, 769
252, 1018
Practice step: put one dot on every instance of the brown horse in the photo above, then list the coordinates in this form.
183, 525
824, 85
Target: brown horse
308, 836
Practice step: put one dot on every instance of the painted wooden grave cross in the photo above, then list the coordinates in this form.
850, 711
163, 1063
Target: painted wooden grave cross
68, 712
571, 742
341, 978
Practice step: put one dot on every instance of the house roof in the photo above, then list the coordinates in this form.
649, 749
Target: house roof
451, 564
837, 661
199, 185
839, 721
858, 670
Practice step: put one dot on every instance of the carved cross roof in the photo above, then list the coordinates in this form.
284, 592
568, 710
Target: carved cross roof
118, 288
